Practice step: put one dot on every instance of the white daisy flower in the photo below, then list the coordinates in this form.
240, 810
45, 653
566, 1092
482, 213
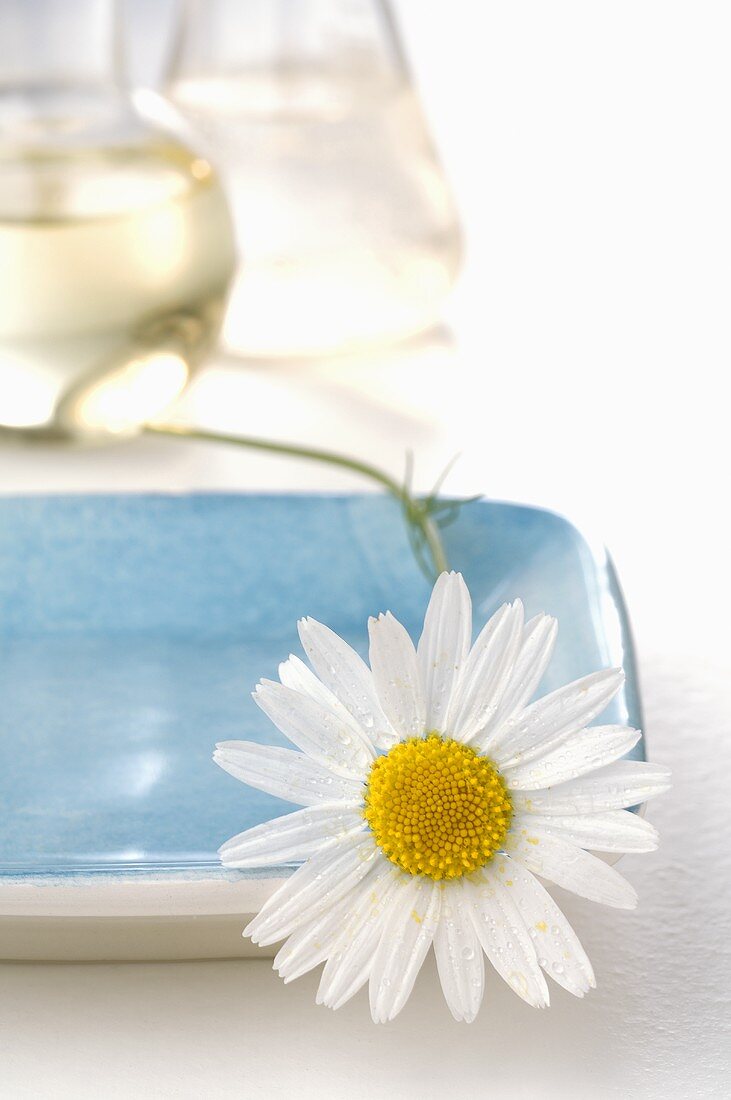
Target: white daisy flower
433, 794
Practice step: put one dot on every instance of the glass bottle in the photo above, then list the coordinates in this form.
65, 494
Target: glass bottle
116, 245
344, 219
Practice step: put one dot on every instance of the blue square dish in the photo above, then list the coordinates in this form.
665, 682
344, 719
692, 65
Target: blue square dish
133, 628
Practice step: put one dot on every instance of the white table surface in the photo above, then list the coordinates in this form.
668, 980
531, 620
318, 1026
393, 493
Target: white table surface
581, 367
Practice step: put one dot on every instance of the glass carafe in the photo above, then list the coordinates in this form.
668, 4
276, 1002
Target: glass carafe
116, 246
344, 220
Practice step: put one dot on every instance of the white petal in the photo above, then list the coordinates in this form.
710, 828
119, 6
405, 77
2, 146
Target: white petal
349, 966
407, 935
295, 674
291, 838
316, 940
284, 773
503, 935
583, 752
557, 946
444, 645
543, 725
536, 647
350, 971
612, 831
348, 677
396, 675
330, 737
486, 673
458, 952
312, 890
626, 783
570, 867
313, 941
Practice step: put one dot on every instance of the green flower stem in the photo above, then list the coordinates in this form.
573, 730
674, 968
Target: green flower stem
416, 512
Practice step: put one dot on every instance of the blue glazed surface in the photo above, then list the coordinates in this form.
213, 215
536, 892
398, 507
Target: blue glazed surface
132, 629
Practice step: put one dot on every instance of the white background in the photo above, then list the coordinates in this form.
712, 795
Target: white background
588, 146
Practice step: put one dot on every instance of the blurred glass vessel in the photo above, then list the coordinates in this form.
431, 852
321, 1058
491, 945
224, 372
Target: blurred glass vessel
116, 246
344, 219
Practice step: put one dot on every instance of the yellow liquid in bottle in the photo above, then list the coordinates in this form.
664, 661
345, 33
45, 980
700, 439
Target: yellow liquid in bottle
114, 268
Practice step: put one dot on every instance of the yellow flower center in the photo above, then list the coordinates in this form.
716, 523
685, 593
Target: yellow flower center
436, 808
